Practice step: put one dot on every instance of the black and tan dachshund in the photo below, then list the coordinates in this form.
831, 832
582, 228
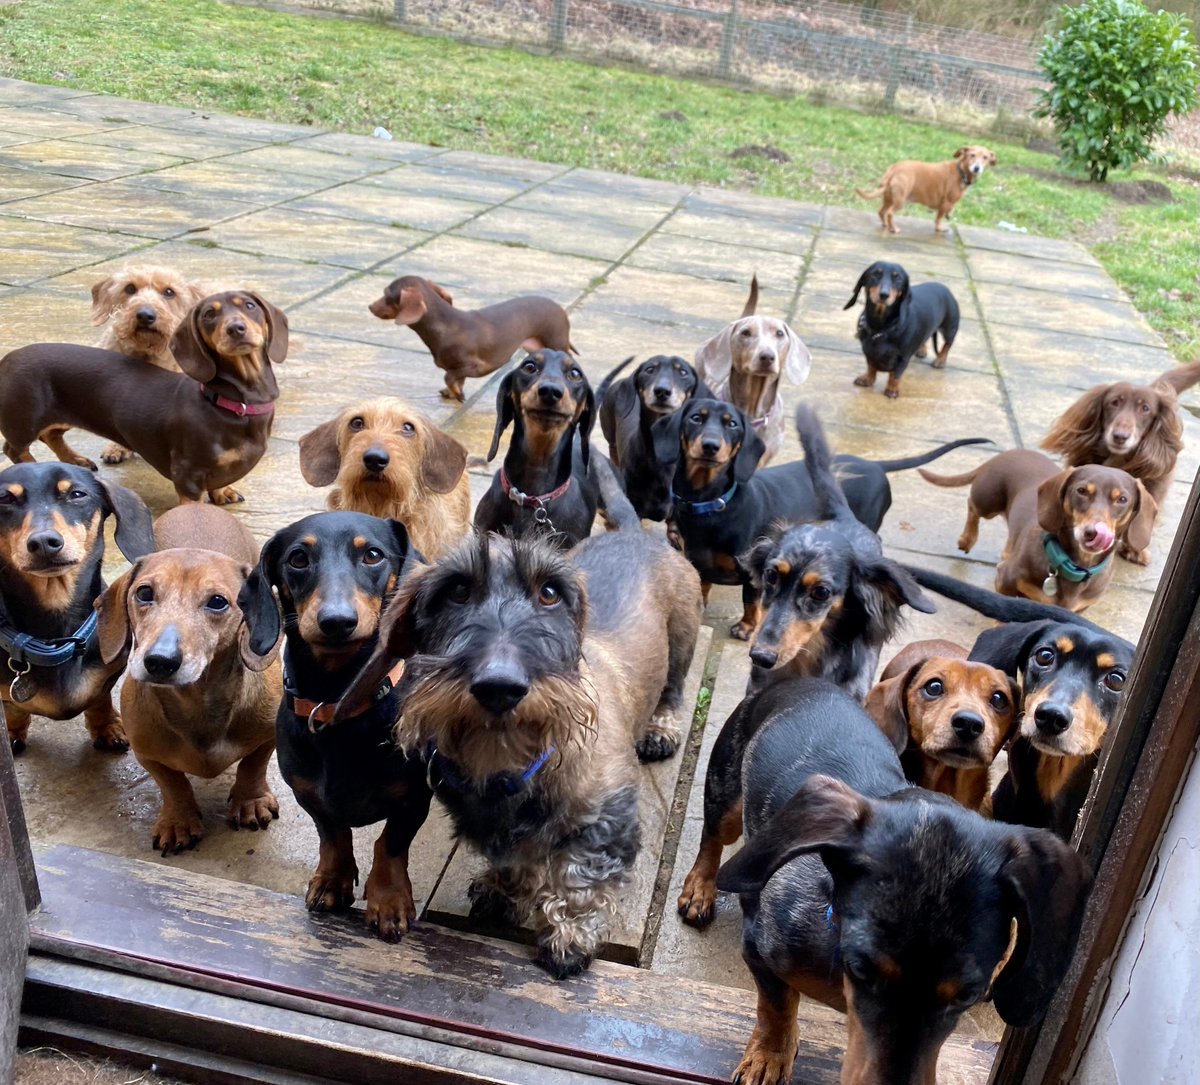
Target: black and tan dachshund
723, 505
51, 546
890, 902
898, 320
628, 408
334, 573
1072, 673
544, 484
830, 599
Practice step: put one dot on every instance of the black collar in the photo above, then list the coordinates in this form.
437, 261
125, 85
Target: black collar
503, 785
24, 648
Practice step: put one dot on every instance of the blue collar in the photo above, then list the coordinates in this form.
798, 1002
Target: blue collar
1062, 565
24, 648
706, 508
503, 785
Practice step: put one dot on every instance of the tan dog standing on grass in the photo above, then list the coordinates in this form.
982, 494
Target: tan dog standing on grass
197, 698
936, 185
389, 460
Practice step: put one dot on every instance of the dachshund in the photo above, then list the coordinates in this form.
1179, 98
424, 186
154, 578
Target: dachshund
936, 185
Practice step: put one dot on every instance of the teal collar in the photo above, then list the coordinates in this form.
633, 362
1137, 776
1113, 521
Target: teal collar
1062, 565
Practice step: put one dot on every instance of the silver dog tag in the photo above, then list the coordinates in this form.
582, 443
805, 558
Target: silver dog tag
22, 689
1050, 585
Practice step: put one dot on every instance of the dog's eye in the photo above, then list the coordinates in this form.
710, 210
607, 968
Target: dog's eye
778, 333
1115, 681
745, 333
459, 592
820, 594
218, 604
1044, 657
7, 497
575, 374
169, 292
731, 423
248, 305
298, 558
1122, 499
933, 688
864, 974
1082, 490
77, 494
130, 288
373, 556
770, 576
357, 423
144, 594
549, 595
1144, 408
999, 701
530, 366
408, 429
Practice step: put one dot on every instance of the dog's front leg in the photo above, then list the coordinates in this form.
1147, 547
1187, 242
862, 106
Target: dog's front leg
251, 802
751, 613
771, 1052
178, 826
331, 888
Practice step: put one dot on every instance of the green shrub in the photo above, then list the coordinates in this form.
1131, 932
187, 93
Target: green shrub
1116, 71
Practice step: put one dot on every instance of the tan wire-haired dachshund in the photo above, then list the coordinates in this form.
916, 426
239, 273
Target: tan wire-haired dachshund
389, 460
936, 185
1135, 427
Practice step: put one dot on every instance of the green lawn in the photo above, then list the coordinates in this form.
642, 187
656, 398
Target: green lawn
354, 76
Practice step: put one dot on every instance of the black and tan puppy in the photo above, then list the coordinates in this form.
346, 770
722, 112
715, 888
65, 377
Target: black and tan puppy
544, 483
1072, 675
898, 320
535, 680
334, 572
51, 546
884, 900
629, 407
946, 716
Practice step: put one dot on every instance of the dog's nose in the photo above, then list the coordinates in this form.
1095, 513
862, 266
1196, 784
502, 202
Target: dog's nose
44, 543
146, 317
375, 459
549, 392
500, 685
337, 623
236, 327
662, 392
967, 725
1119, 438
764, 657
165, 657
1051, 718
884, 293
710, 447
767, 356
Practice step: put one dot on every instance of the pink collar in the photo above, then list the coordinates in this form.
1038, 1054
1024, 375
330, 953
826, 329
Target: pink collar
529, 501
233, 406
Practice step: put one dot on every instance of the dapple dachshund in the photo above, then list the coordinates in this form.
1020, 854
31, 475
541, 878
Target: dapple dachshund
936, 185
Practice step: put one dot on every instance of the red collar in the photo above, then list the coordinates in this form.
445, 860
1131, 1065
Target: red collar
233, 406
320, 713
529, 501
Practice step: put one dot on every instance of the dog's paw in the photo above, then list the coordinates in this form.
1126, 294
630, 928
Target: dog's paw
330, 892
1138, 557
562, 966
892, 393
965, 542
115, 453
922, 351
391, 912
490, 906
864, 382
661, 739
16, 744
255, 812
177, 830
110, 737
761, 1065
697, 903
226, 495
741, 631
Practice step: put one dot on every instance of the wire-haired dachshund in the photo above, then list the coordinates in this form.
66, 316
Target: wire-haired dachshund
890, 902
1062, 525
830, 599
947, 717
936, 185
723, 506
898, 320
533, 677
51, 547
334, 572
544, 483
203, 428
629, 407
1134, 427
1072, 674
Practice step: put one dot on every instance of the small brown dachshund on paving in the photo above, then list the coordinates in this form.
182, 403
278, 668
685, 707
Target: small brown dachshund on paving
936, 185
197, 699
1062, 524
472, 343
947, 717
203, 428
1135, 427
389, 460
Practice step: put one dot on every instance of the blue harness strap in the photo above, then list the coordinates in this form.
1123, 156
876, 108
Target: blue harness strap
23, 648
706, 508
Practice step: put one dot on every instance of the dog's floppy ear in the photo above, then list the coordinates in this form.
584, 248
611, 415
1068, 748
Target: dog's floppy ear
103, 303
799, 359
442, 292
745, 463
1137, 532
277, 328
443, 459
1007, 647
586, 420
991, 158
1079, 427
411, 306
883, 587
251, 660
825, 815
260, 613
961, 151
1045, 883
190, 348
624, 399
665, 434
858, 287
112, 614
319, 455
714, 359
135, 526
1051, 501
887, 705
505, 413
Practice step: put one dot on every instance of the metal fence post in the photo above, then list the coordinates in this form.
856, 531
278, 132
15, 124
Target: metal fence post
725, 64
400, 10
897, 54
558, 29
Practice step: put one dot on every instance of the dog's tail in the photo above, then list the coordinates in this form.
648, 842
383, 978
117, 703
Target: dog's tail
607, 383
817, 458
752, 301
1182, 378
928, 457
617, 509
870, 195
949, 480
1003, 608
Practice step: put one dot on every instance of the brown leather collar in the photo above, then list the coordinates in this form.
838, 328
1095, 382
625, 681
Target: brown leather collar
320, 713
967, 178
530, 501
